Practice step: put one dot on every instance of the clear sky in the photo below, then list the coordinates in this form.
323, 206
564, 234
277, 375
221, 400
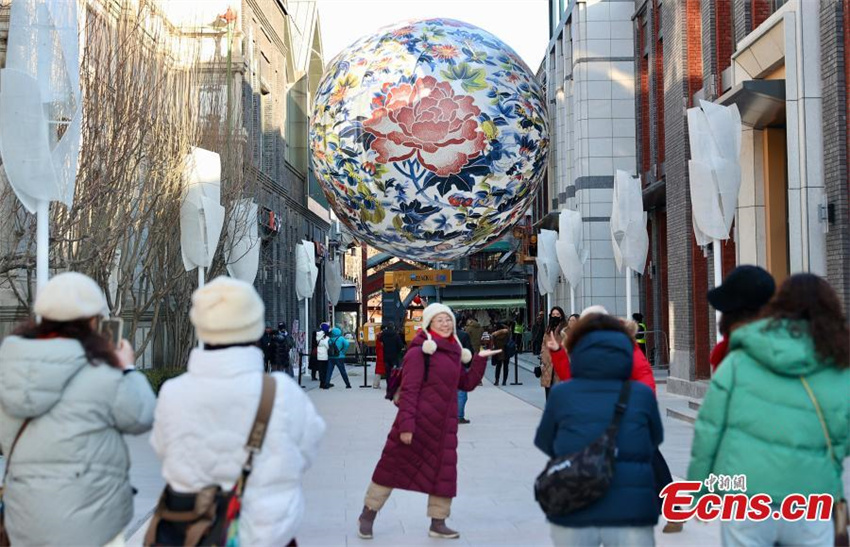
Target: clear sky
522, 24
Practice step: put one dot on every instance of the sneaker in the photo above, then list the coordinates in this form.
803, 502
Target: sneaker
441, 531
462, 421
348, 386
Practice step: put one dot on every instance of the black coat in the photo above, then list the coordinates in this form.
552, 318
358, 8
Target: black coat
579, 411
466, 342
282, 342
393, 347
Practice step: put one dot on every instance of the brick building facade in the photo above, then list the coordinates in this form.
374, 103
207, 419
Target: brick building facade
784, 65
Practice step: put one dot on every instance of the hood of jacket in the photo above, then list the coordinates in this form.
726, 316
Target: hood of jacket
602, 355
785, 348
34, 373
335, 332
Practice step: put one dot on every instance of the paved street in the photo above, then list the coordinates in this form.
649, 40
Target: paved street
497, 466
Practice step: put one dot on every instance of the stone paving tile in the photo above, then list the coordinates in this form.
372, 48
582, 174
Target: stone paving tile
496, 469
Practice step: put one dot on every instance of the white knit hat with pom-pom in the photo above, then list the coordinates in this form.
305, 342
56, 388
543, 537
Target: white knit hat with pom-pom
430, 346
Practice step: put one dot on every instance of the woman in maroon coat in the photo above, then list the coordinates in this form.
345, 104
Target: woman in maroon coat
421, 449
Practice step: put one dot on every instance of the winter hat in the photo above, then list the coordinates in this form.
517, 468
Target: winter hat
429, 346
70, 296
325, 328
594, 309
746, 287
227, 311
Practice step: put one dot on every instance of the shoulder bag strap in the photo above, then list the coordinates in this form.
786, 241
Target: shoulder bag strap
12, 448
620, 407
258, 429
821, 419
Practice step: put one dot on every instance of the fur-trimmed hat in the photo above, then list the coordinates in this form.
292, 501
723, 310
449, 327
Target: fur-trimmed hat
594, 309
70, 296
227, 311
429, 346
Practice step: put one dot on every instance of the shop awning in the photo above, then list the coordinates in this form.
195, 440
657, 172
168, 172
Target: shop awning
497, 303
760, 102
497, 247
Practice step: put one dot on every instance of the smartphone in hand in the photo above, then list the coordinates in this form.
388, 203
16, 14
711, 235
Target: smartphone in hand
113, 329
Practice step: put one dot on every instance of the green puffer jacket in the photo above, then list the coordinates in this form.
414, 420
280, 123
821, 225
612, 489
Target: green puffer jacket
758, 420
68, 481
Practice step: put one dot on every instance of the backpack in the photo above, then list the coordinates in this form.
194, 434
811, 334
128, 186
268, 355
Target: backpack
394, 381
333, 348
574, 481
510, 349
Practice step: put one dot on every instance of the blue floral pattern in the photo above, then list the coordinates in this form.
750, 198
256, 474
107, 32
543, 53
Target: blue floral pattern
429, 138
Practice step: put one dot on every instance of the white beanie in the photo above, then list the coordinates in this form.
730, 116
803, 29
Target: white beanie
594, 309
227, 311
70, 296
429, 346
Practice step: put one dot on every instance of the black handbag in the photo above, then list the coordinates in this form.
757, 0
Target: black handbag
574, 481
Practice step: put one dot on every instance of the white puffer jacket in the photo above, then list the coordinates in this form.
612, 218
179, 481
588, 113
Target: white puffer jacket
201, 425
321, 346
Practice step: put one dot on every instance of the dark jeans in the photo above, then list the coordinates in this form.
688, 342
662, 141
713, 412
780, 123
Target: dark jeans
340, 364
502, 365
323, 372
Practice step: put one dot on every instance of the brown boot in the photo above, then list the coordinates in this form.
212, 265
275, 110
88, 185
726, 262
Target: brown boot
440, 530
367, 519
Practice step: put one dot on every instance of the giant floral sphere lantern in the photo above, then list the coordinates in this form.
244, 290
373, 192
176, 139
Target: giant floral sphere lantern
429, 138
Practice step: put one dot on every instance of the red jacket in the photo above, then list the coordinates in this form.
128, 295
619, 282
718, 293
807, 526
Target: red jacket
718, 354
641, 369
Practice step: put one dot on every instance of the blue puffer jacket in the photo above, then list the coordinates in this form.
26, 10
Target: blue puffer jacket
341, 343
579, 411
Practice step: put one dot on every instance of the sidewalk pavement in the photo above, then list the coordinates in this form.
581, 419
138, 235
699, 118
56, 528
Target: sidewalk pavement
497, 465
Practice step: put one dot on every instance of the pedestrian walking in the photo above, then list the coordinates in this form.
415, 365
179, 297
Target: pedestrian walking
518, 331
337, 348
538, 330
579, 411
380, 366
555, 325
475, 331
204, 416
313, 362
501, 337
463, 396
393, 347
282, 343
421, 450
740, 299
778, 411
640, 335
68, 397
322, 356
267, 346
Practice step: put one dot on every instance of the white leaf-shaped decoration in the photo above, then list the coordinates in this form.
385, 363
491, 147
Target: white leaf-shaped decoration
333, 281
547, 261
629, 237
201, 213
715, 169
40, 101
306, 272
569, 247
243, 248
